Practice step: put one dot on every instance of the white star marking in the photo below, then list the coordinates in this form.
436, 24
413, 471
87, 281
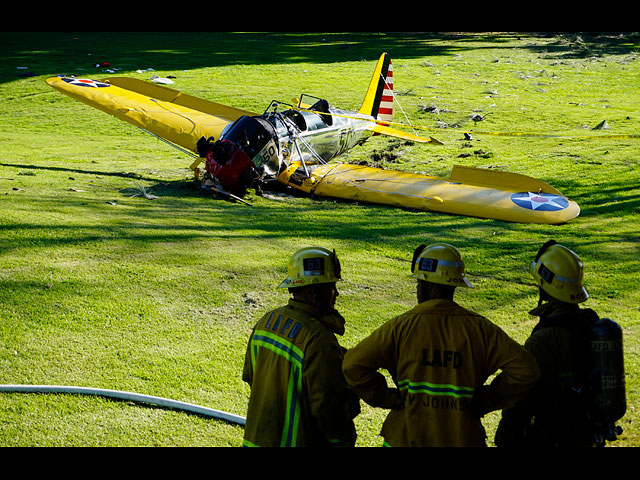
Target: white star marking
537, 201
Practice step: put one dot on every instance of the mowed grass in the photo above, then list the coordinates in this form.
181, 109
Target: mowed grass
102, 289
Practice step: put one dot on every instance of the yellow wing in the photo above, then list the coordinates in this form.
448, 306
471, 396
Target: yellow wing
467, 191
167, 113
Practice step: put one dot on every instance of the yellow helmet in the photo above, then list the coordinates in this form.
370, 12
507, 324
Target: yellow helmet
559, 272
439, 263
312, 265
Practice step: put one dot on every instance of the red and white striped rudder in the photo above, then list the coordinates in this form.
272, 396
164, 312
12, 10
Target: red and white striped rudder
385, 111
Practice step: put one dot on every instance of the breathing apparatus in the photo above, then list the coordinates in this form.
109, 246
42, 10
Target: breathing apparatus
558, 271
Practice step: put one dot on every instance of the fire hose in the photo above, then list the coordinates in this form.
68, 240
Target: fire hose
128, 396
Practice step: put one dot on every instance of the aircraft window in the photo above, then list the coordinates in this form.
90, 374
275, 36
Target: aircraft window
323, 106
314, 121
297, 118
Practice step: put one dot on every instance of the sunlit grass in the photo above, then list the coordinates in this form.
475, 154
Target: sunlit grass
106, 288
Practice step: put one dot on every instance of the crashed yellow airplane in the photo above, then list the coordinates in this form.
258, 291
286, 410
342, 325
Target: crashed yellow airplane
296, 145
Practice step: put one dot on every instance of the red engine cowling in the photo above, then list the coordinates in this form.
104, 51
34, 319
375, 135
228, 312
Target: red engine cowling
230, 165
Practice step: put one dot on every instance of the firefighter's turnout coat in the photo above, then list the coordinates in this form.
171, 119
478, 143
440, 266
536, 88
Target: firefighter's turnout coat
298, 395
439, 356
554, 413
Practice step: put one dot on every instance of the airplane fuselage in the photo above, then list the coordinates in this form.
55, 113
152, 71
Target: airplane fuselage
326, 141
276, 139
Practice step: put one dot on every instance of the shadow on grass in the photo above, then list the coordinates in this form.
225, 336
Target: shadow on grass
604, 199
183, 213
52, 53
76, 170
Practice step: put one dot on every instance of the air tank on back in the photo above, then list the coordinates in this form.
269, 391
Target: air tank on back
608, 400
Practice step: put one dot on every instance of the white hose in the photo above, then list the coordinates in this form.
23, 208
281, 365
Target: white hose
134, 397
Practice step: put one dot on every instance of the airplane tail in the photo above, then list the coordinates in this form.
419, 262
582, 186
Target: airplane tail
378, 102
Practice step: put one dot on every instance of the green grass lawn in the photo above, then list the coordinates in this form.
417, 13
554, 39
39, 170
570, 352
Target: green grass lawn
102, 289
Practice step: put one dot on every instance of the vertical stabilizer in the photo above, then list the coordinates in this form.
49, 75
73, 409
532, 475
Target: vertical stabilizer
378, 102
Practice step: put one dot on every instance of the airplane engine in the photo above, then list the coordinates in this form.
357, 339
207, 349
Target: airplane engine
245, 154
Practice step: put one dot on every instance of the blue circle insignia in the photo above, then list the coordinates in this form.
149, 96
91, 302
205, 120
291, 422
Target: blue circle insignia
84, 82
547, 202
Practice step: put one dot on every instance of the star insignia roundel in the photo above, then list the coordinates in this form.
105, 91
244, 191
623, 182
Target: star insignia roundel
83, 82
540, 201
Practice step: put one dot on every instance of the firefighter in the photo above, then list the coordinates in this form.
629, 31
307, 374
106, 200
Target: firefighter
438, 355
554, 413
293, 363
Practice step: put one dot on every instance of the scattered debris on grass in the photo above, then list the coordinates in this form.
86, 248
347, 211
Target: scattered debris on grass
139, 191
603, 125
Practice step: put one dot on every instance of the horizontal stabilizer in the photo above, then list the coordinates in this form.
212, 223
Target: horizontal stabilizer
392, 132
